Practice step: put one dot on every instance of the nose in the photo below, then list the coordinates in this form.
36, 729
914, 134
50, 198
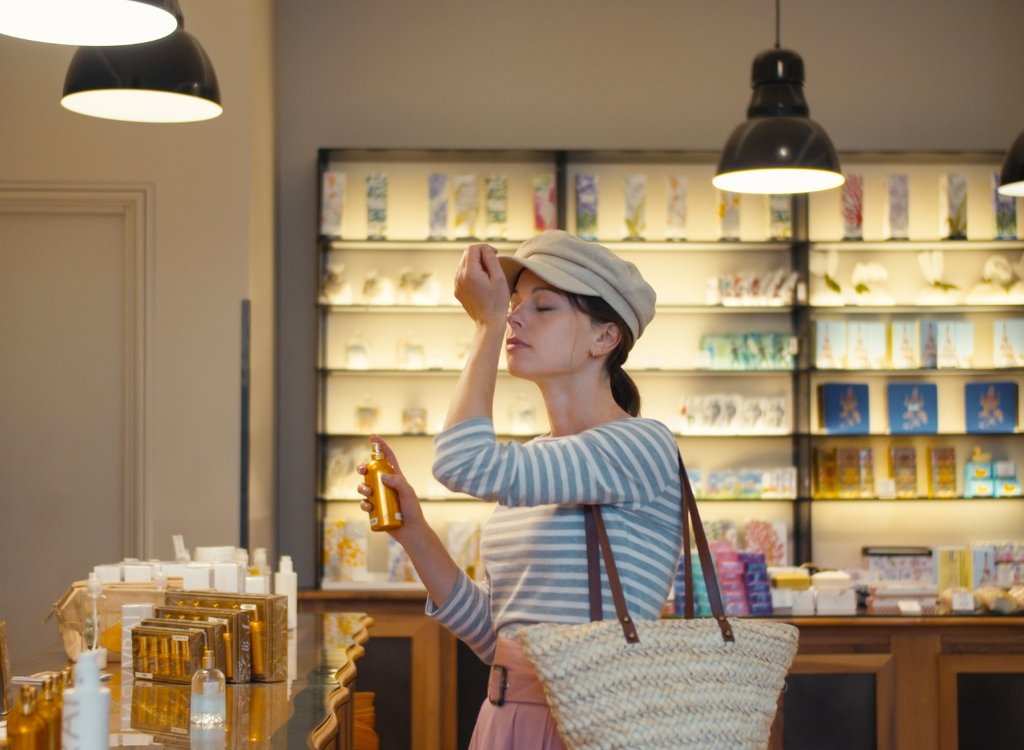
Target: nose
513, 319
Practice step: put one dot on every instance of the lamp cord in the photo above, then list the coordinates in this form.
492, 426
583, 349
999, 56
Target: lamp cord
778, 22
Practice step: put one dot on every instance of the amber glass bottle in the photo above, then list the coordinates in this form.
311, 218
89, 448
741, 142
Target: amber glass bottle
26, 729
386, 513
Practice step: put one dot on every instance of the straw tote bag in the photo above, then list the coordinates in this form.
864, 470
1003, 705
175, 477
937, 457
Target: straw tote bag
708, 683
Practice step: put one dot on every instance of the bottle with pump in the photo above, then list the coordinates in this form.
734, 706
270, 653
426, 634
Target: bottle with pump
26, 729
386, 513
209, 700
286, 581
94, 617
86, 715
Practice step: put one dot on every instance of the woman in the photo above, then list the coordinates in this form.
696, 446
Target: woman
567, 313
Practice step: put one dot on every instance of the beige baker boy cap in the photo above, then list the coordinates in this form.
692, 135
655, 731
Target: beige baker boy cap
574, 265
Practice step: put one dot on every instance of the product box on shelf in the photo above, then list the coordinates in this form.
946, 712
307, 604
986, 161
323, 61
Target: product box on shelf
905, 344
990, 407
903, 470
825, 478
942, 471
830, 344
268, 626
913, 408
900, 563
855, 471
1008, 342
955, 341
866, 345
844, 408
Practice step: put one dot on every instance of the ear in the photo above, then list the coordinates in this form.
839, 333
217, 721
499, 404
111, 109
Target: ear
607, 337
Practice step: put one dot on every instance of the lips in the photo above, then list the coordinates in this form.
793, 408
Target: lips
514, 343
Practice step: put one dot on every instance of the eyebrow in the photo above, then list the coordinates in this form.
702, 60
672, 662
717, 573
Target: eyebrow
536, 289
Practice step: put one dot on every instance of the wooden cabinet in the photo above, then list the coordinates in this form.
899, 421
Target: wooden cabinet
904, 684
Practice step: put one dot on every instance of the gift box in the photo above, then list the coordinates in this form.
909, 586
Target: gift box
844, 408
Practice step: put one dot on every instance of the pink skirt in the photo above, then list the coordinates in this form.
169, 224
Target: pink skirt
523, 721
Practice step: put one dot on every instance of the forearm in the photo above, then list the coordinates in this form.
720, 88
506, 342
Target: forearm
474, 391
434, 565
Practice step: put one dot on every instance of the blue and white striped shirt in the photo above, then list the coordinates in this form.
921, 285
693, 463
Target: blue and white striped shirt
534, 547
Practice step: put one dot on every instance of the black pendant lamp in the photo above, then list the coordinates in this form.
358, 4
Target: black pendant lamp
92, 22
167, 80
778, 149
1011, 178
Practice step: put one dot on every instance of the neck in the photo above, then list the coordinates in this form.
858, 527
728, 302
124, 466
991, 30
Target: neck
573, 407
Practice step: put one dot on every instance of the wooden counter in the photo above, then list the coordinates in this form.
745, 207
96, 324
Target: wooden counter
885, 683
316, 707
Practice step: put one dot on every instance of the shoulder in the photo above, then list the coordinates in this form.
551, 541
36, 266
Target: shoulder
636, 432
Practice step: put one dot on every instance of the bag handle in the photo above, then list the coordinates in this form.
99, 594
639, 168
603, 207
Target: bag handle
597, 537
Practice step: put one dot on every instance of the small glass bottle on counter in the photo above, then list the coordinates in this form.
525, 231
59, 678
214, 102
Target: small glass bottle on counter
209, 697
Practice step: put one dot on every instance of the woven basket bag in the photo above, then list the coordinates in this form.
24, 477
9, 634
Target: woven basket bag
707, 683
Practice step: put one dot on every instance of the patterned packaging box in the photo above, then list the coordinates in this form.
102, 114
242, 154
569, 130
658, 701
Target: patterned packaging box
904, 344
990, 407
942, 471
866, 345
830, 344
955, 343
1008, 342
903, 470
927, 339
844, 408
913, 408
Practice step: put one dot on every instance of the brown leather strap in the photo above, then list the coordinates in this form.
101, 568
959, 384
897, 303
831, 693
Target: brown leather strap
707, 565
594, 527
593, 564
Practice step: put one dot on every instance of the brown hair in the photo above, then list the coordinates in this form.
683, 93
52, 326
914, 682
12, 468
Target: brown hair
624, 390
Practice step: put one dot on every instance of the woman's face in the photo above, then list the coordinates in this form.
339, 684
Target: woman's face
547, 335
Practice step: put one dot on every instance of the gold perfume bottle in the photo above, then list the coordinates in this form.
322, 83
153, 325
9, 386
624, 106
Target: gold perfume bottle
386, 513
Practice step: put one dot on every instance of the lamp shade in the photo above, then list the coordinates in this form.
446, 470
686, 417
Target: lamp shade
168, 80
96, 22
1011, 178
778, 149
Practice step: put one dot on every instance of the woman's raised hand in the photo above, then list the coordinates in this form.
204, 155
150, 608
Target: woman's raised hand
480, 285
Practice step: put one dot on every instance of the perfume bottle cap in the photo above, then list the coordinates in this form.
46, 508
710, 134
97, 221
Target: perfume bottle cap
376, 452
209, 659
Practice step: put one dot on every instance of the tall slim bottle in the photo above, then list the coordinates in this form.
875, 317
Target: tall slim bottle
26, 729
386, 513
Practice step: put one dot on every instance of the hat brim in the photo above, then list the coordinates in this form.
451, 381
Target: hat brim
513, 266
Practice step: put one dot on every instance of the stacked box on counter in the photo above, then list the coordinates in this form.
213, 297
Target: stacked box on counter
701, 604
729, 568
757, 582
268, 626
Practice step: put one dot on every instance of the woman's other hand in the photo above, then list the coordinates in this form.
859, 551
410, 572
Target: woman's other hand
480, 285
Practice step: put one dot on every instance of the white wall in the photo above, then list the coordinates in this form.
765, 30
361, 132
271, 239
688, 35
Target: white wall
213, 188
654, 74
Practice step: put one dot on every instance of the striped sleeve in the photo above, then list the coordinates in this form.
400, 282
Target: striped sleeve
618, 463
467, 614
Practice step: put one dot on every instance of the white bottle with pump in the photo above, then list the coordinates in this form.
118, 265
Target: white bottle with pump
86, 718
286, 581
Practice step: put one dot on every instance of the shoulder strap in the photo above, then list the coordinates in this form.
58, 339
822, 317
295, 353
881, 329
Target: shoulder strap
597, 537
